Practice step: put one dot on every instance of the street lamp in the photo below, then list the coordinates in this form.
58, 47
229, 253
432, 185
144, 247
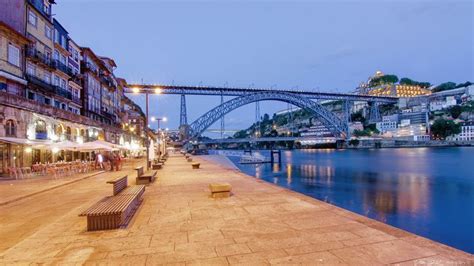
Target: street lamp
158, 119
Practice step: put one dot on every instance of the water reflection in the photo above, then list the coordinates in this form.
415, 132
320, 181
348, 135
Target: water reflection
424, 191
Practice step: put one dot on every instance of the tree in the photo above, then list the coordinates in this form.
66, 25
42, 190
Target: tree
455, 111
410, 82
266, 117
385, 79
444, 86
240, 134
406, 81
443, 128
465, 84
362, 133
358, 117
354, 142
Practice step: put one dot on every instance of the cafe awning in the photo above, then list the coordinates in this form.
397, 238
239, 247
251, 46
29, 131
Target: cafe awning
32, 143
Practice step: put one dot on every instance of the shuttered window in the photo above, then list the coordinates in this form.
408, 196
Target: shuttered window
13, 55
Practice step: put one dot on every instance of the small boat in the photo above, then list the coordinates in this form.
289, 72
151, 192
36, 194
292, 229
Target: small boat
251, 159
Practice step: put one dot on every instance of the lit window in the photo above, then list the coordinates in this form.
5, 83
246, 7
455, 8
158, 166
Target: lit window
13, 55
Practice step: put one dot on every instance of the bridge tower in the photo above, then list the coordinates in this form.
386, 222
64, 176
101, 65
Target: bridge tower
347, 117
222, 119
183, 120
374, 113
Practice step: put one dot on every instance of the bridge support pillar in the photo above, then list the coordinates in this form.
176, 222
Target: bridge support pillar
347, 118
374, 114
272, 156
183, 119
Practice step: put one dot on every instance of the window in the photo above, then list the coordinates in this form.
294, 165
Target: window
63, 84
47, 8
13, 55
68, 133
31, 95
56, 80
56, 55
48, 32
10, 128
47, 101
63, 59
30, 69
32, 18
40, 129
47, 77
63, 41
56, 36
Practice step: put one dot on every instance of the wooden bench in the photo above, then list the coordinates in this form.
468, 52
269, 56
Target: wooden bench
115, 211
145, 178
190, 159
156, 166
220, 190
195, 165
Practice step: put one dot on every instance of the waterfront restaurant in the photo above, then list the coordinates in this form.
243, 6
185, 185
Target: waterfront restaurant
35, 138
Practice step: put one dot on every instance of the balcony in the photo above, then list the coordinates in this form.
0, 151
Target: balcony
61, 67
38, 56
86, 66
108, 81
76, 78
107, 114
40, 83
63, 93
76, 99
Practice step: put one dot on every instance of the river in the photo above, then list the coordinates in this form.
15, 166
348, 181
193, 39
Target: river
426, 191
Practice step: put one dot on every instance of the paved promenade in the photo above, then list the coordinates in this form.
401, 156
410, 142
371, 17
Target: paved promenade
178, 223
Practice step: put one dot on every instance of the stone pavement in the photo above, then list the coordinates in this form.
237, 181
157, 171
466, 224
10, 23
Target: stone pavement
178, 223
13, 190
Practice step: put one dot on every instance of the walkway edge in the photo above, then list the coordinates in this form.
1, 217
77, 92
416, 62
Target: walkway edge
49, 189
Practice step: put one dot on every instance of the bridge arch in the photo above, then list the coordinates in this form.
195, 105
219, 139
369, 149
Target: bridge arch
336, 126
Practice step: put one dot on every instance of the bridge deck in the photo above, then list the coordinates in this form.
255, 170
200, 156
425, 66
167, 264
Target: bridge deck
217, 91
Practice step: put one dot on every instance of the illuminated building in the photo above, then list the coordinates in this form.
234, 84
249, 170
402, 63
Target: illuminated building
395, 90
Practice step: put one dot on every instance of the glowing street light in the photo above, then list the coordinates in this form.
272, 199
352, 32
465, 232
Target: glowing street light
135, 90
158, 119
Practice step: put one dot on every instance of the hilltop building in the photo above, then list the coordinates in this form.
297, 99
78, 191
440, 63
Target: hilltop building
396, 90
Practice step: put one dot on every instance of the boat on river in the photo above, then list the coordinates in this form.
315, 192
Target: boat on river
253, 159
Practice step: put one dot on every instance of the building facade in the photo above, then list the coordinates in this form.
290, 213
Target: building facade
53, 90
467, 133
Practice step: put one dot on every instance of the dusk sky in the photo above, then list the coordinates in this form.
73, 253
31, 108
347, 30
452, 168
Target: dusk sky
314, 45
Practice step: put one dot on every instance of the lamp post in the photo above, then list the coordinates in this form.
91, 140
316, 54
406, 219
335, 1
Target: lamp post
147, 141
158, 119
160, 135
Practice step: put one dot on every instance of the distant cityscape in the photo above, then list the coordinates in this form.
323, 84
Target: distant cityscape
424, 112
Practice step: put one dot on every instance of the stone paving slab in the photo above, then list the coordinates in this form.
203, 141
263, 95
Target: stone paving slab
179, 223
14, 190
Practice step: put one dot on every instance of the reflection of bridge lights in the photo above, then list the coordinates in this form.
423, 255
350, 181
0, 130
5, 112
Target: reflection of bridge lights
288, 173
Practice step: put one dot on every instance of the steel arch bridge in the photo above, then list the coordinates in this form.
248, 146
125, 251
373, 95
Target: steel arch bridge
339, 128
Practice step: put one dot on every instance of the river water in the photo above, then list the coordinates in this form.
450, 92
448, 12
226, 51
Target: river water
426, 191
